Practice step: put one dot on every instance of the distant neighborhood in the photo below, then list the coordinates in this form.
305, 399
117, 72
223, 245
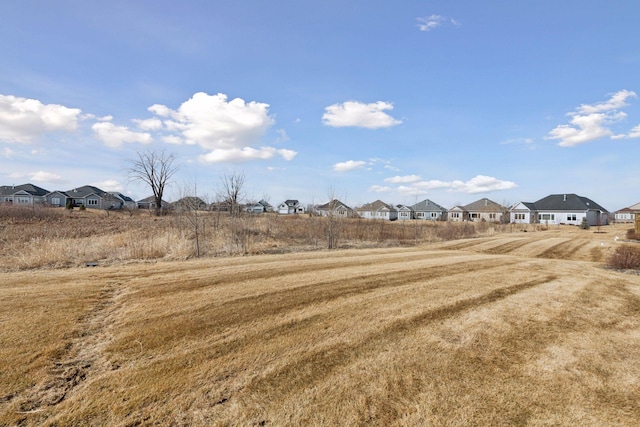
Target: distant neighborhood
569, 209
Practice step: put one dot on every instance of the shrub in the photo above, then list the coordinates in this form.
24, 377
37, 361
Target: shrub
584, 225
625, 257
632, 235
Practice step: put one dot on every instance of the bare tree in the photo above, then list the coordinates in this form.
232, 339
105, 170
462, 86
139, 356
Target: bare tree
232, 191
155, 168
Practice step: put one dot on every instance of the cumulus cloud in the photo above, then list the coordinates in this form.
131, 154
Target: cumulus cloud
358, 114
403, 179
42, 176
478, 184
149, 124
428, 23
114, 136
591, 121
229, 130
635, 132
109, 185
349, 165
380, 189
246, 153
22, 119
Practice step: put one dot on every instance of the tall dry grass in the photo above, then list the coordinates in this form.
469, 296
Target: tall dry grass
53, 238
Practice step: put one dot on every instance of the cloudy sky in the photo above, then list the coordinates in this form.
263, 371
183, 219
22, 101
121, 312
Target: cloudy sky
364, 99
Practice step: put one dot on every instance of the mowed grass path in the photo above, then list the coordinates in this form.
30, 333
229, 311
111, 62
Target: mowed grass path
512, 329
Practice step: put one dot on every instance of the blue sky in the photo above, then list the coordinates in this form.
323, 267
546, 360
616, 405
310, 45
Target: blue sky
367, 99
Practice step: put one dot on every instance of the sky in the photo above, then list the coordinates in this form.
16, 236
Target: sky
361, 100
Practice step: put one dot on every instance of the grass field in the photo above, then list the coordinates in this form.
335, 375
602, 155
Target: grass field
512, 328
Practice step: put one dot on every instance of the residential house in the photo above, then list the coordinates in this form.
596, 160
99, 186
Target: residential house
457, 213
290, 207
23, 195
428, 210
126, 202
189, 203
523, 213
486, 210
378, 210
261, 207
404, 212
627, 214
93, 198
150, 203
57, 199
570, 209
334, 208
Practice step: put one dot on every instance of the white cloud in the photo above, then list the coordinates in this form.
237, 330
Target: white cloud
22, 119
478, 184
114, 136
403, 179
246, 153
149, 124
380, 189
229, 130
42, 176
349, 165
635, 132
358, 114
213, 123
591, 122
428, 23
109, 185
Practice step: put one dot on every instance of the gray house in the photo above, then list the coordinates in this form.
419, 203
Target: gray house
570, 209
23, 195
93, 198
428, 210
261, 207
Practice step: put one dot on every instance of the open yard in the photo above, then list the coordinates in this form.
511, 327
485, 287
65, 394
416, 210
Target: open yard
512, 328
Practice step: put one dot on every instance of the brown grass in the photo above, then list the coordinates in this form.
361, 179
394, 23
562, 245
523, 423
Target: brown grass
508, 328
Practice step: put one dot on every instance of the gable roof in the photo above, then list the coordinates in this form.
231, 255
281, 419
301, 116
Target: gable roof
291, 203
376, 206
332, 204
87, 190
567, 202
529, 205
34, 190
428, 206
484, 205
121, 196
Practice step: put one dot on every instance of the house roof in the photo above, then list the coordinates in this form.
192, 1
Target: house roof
484, 205
121, 196
529, 205
567, 202
428, 206
34, 190
376, 206
291, 203
333, 204
86, 190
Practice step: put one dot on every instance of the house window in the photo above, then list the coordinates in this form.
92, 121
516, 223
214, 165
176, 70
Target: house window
92, 202
572, 217
22, 200
519, 216
492, 216
55, 200
434, 215
474, 215
455, 215
547, 217
420, 214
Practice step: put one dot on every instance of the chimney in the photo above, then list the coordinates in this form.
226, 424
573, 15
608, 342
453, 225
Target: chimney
565, 198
